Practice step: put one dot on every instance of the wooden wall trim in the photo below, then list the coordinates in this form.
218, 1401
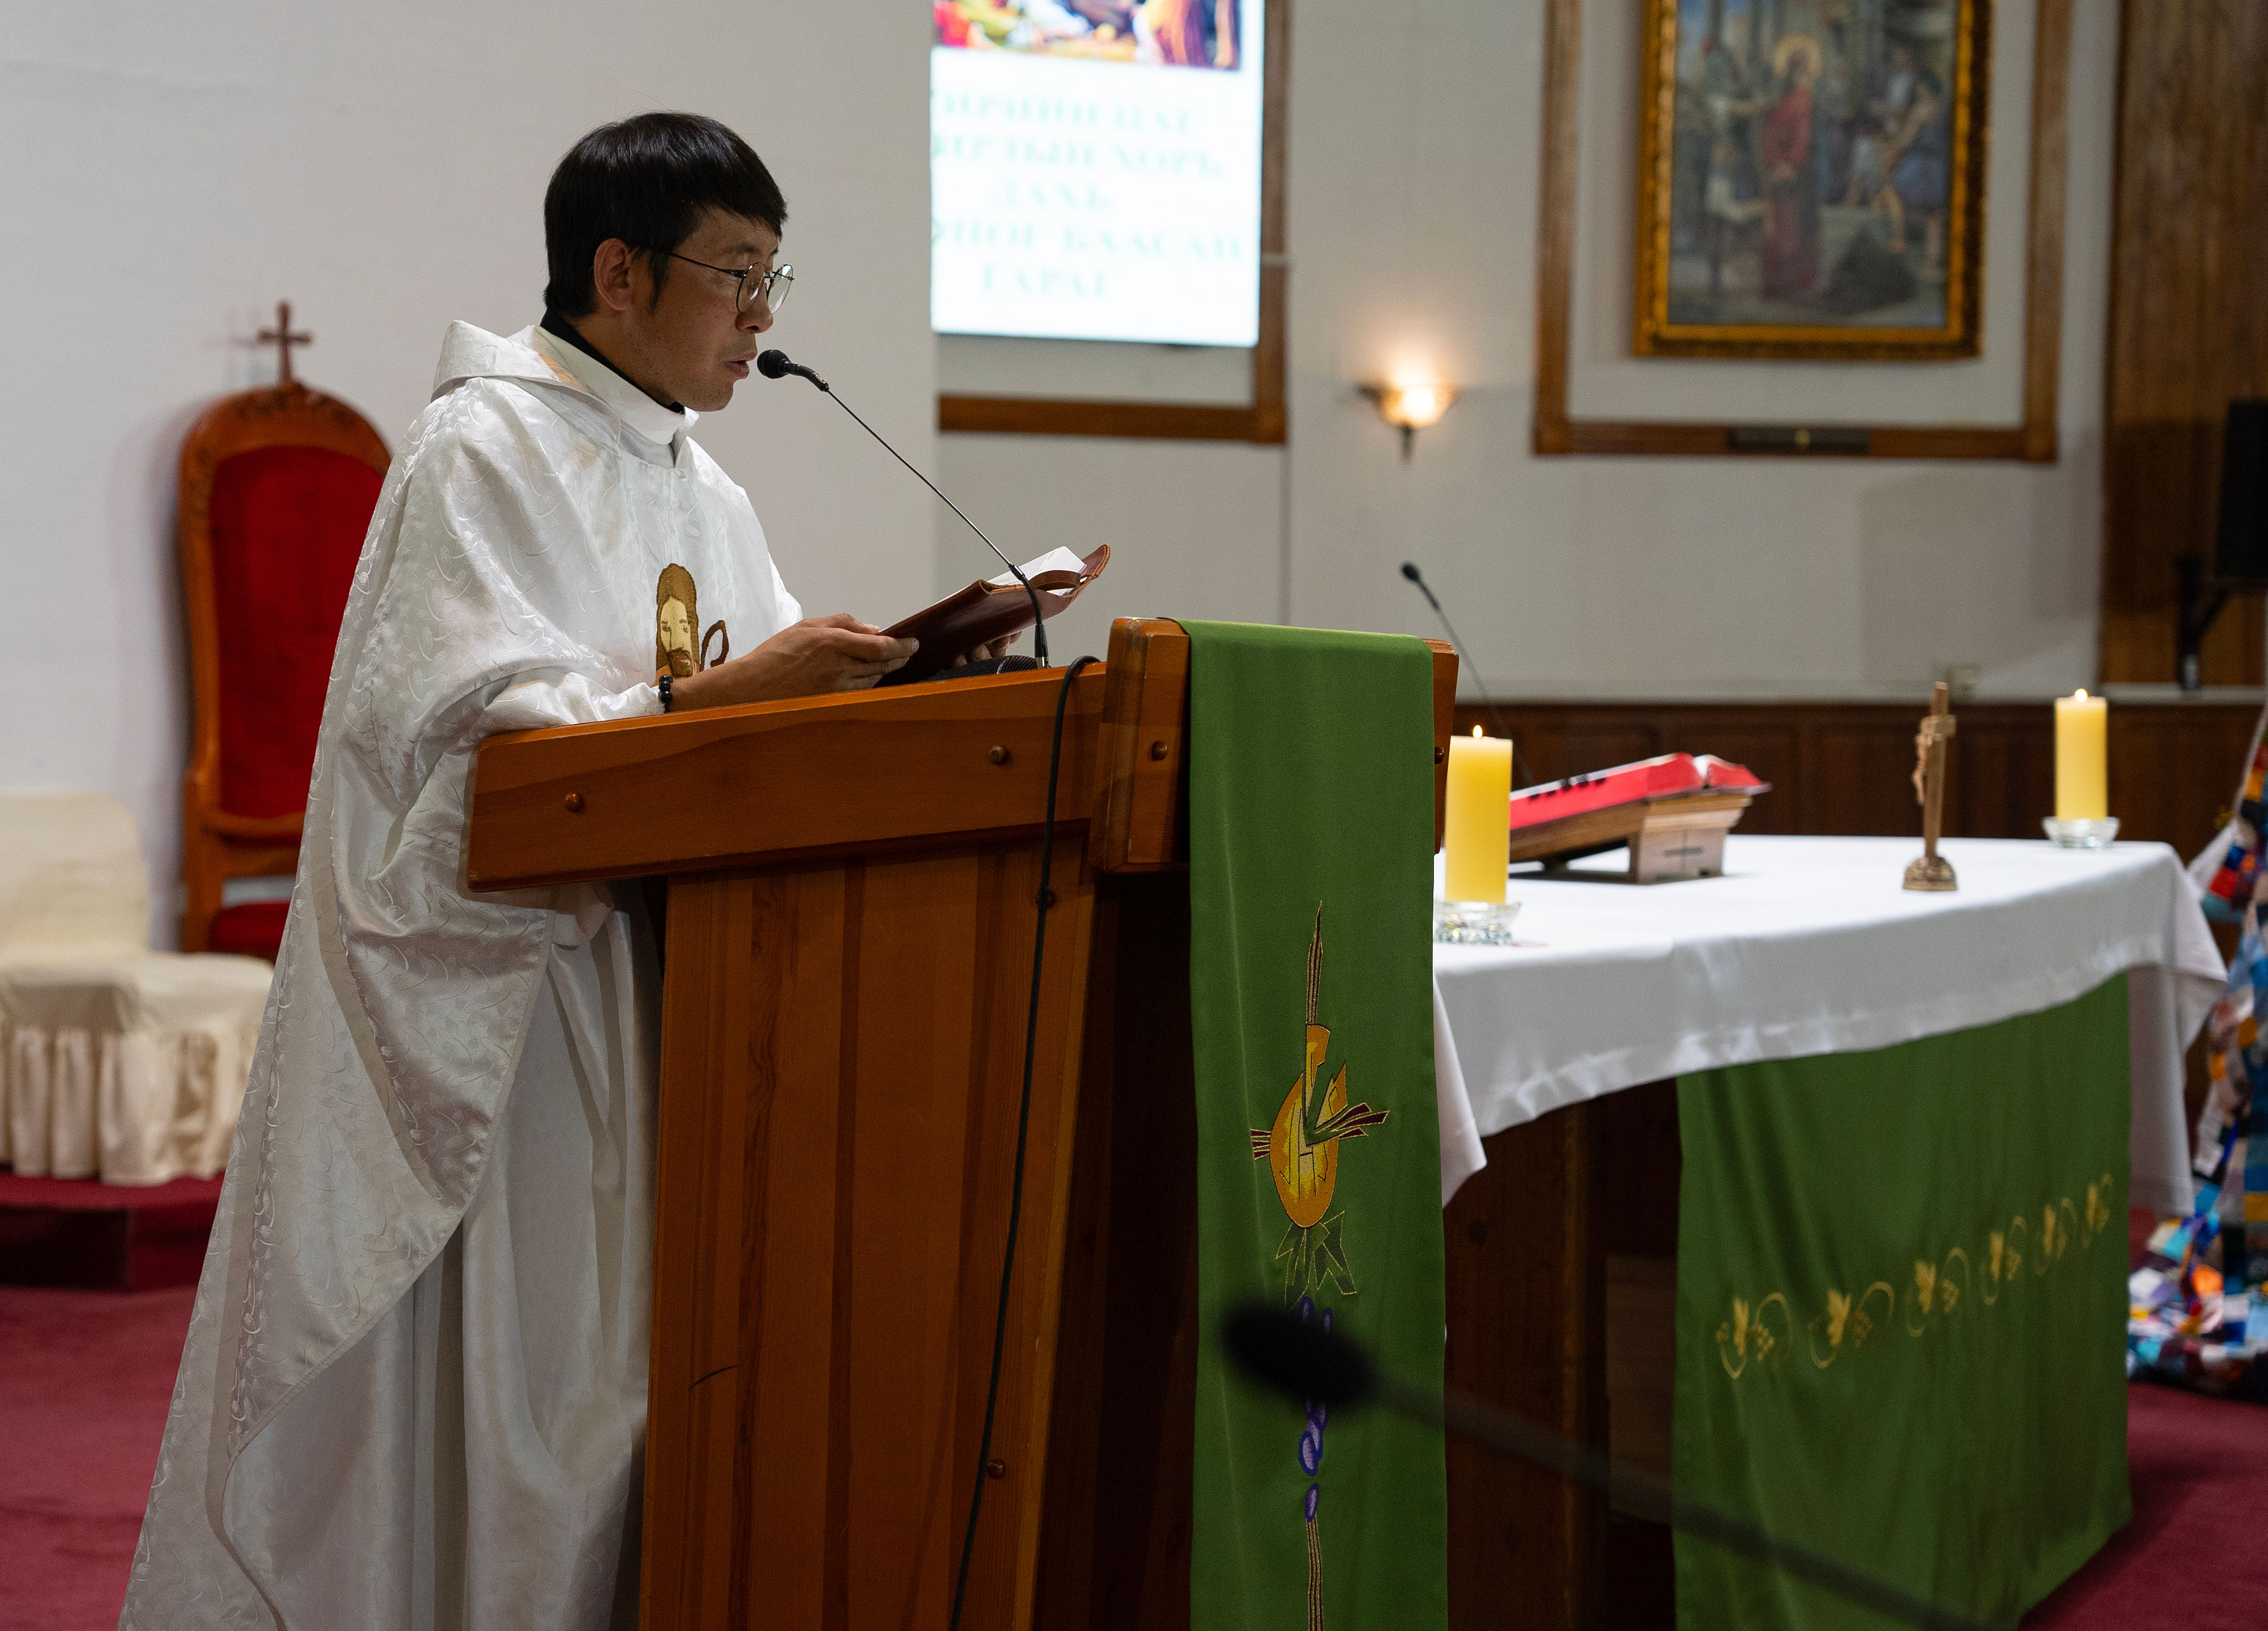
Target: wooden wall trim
1181, 422
1263, 420
2043, 235
2033, 441
1606, 435
1555, 225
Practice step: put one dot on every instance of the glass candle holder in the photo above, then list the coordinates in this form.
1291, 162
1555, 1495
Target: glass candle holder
1473, 923
2095, 834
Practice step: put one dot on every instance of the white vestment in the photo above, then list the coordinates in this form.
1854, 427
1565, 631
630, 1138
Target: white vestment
414, 1391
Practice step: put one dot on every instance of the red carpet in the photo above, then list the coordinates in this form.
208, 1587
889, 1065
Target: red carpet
2192, 1559
84, 1376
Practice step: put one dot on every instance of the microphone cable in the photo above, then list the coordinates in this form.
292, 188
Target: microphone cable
1023, 1135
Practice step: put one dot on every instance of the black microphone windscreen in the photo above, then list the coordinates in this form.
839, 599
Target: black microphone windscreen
773, 364
1297, 1356
1409, 571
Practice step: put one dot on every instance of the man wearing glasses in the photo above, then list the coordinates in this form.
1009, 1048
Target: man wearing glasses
414, 1391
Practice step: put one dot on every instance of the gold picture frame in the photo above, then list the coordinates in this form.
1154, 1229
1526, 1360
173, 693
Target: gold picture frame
1743, 207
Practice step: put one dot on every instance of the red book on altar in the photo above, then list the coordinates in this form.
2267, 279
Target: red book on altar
1672, 813
1666, 777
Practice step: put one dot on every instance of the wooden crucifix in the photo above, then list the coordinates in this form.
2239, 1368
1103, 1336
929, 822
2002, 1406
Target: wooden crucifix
282, 337
1930, 870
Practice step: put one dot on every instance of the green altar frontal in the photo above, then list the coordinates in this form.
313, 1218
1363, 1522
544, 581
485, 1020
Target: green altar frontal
1901, 1301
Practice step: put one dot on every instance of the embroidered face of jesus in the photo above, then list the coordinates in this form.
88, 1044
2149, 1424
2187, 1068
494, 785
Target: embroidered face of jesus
676, 616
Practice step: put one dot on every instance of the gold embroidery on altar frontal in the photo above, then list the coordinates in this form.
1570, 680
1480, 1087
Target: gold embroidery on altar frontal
676, 621
1761, 1334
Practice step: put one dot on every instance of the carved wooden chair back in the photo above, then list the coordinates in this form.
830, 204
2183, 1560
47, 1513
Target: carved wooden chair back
276, 490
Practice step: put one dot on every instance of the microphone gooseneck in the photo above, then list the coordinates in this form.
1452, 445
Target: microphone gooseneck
1306, 1362
1496, 715
777, 364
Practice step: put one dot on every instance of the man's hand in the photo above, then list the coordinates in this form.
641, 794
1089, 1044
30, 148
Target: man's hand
809, 658
990, 651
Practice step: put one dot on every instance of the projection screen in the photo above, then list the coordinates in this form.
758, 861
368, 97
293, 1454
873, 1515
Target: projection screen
1095, 169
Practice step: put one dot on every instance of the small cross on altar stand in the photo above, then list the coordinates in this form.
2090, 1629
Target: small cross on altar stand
282, 337
1930, 870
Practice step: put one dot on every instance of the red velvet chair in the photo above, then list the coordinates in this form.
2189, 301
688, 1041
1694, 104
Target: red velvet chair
276, 490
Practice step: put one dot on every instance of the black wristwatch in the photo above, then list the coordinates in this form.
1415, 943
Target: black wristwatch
661, 683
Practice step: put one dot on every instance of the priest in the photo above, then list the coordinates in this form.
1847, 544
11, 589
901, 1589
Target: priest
414, 1390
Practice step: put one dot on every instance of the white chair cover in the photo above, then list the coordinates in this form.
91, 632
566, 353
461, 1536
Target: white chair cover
116, 1062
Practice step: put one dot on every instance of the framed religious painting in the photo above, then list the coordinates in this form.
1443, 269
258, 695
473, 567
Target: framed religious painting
1811, 178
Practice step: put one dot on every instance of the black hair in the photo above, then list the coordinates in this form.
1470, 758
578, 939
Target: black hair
646, 181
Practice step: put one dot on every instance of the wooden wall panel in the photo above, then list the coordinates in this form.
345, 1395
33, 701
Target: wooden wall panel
1770, 750
2189, 328
1114, 1547
1842, 768
1858, 780
1522, 1541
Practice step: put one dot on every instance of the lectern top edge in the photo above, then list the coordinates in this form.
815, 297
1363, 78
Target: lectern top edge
766, 782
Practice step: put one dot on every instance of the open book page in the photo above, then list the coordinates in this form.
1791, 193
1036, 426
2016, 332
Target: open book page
1059, 560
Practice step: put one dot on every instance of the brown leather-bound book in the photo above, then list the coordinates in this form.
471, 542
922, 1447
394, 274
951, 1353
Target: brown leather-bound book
990, 609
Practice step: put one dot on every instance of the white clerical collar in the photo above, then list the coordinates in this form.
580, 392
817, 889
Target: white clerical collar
640, 414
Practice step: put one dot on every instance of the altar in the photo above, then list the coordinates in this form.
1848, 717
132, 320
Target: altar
1900, 1056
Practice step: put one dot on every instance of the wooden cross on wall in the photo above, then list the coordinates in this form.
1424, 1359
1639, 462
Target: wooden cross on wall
282, 337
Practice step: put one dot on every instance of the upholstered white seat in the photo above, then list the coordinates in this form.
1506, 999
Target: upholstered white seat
116, 1062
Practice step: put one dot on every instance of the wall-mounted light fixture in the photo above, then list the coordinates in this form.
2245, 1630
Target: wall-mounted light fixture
1411, 409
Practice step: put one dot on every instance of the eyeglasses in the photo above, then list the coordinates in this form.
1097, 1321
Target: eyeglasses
773, 285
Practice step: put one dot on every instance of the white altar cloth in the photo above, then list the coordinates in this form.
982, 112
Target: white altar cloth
1809, 945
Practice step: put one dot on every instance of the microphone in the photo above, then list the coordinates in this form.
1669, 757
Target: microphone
1409, 571
1496, 715
1311, 1365
777, 364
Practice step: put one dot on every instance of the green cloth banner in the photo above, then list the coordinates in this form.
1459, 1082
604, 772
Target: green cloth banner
1901, 1315
1319, 1180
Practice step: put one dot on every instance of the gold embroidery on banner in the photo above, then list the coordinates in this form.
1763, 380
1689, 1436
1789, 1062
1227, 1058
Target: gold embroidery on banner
1844, 1318
1836, 1318
1949, 1290
1302, 1149
1925, 1293
1745, 1331
1937, 1290
2098, 1210
1940, 1287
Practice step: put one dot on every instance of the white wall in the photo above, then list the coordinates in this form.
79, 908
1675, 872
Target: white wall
172, 171
1414, 165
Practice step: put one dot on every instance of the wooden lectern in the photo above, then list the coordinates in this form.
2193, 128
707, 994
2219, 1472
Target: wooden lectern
852, 885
